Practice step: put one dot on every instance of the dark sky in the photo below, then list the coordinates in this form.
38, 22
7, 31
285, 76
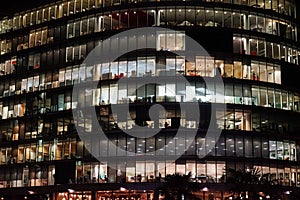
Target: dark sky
8, 7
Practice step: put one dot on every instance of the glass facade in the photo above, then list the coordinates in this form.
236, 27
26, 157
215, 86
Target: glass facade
67, 8
41, 56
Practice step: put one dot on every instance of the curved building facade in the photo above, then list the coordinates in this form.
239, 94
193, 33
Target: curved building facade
252, 44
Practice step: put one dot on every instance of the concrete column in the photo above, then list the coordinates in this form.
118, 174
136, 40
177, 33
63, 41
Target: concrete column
52, 196
158, 17
155, 17
94, 195
156, 194
245, 22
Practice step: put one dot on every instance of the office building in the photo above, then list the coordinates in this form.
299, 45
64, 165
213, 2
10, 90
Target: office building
254, 44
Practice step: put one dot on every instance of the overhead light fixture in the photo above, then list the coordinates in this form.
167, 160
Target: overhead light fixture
287, 192
71, 190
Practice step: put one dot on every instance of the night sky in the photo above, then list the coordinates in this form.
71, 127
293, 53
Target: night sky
8, 7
